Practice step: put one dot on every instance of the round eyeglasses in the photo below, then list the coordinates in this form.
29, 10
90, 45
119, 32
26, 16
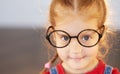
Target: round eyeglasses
61, 39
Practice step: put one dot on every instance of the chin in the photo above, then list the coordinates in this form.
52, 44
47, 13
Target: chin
78, 65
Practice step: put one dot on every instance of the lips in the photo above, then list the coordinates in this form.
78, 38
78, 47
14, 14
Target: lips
76, 58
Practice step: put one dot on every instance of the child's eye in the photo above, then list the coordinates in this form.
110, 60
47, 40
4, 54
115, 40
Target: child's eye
65, 38
86, 37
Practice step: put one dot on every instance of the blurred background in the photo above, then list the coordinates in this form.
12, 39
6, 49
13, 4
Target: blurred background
22, 31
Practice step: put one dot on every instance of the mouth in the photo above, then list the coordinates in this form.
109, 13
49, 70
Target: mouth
76, 59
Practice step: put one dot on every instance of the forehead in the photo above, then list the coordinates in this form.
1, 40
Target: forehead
75, 24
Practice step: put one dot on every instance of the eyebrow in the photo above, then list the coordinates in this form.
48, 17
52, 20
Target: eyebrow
61, 33
51, 27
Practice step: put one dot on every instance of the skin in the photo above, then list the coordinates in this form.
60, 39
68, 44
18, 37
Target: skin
76, 58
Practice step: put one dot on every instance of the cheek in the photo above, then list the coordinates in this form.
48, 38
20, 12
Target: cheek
62, 52
92, 52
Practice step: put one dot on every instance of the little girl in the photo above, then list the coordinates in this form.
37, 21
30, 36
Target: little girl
78, 33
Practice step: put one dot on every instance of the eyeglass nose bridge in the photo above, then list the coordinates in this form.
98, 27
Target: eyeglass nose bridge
73, 37
76, 38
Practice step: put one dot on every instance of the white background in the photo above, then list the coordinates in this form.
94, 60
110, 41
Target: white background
33, 13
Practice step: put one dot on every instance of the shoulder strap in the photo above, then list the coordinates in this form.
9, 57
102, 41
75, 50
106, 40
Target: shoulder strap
53, 70
108, 69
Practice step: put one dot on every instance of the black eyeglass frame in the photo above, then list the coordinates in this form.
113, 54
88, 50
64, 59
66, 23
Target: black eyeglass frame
51, 27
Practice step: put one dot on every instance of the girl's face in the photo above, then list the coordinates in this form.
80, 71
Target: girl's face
76, 58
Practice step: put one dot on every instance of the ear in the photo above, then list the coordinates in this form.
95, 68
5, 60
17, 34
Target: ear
50, 29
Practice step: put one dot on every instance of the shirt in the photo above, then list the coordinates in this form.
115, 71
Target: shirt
98, 70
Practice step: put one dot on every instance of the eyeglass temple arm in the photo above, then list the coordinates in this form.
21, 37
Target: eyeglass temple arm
50, 27
103, 29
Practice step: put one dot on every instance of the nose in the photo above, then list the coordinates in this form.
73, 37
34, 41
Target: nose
74, 46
